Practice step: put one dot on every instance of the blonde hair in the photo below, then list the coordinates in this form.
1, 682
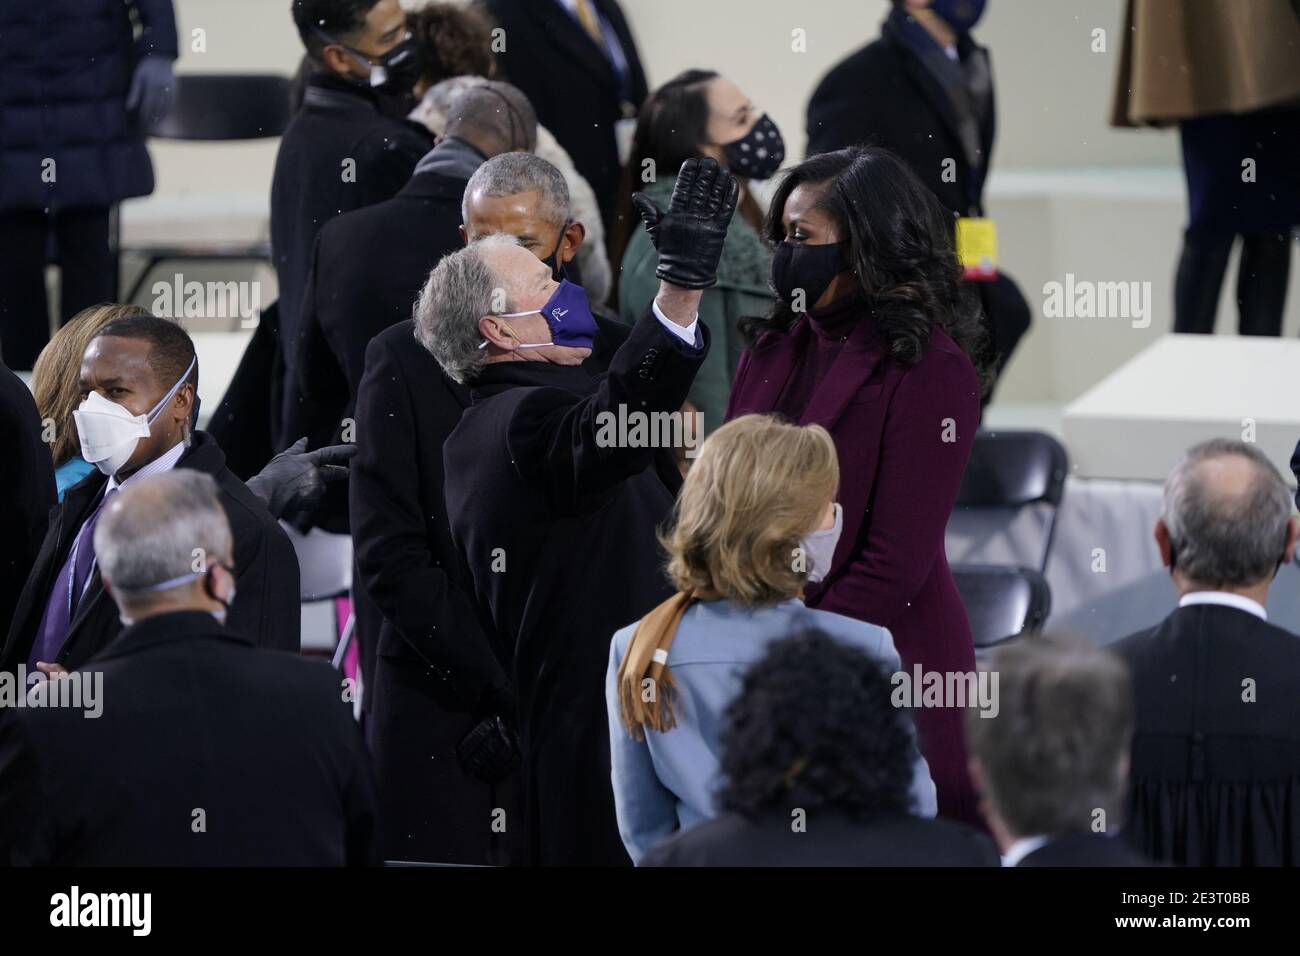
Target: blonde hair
56, 378
757, 488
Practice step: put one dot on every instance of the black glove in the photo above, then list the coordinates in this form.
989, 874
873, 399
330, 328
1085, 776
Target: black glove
689, 236
295, 479
489, 752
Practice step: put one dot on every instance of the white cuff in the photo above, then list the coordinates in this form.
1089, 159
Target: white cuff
686, 334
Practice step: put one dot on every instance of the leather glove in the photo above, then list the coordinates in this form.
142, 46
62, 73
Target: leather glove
153, 89
489, 752
689, 236
295, 479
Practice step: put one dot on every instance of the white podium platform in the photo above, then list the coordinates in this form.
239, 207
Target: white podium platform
1183, 389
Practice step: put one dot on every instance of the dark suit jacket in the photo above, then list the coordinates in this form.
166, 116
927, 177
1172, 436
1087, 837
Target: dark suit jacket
899, 475
339, 122
369, 267
1215, 779
907, 112
27, 487
438, 670
571, 84
266, 605
831, 839
194, 718
1083, 849
529, 484
882, 95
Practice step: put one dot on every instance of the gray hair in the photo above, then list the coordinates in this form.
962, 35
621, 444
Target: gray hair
509, 174
161, 528
1226, 537
1054, 755
460, 291
436, 105
495, 116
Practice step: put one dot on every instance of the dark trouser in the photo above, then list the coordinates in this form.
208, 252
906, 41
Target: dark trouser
87, 267
1262, 277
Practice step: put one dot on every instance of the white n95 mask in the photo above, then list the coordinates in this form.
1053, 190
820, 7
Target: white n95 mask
109, 433
819, 547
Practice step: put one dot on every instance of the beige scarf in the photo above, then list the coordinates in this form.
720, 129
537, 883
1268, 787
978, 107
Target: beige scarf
646, 688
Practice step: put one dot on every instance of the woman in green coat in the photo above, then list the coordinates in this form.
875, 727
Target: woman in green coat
699, 113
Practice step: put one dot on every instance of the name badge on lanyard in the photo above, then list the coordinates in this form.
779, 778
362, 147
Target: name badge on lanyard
977, 248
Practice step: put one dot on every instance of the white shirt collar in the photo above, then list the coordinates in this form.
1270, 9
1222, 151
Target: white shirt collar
1021, 849
1225, 598
164, 462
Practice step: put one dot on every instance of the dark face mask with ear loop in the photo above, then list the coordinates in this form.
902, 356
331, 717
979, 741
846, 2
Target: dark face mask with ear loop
401, 66
553, 260
811, 268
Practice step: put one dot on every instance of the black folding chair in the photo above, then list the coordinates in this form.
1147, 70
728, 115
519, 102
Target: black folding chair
217, 108
1002, 602
1009, 470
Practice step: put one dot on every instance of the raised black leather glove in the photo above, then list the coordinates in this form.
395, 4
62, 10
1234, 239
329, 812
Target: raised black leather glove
690, 234
295, 479
489, 752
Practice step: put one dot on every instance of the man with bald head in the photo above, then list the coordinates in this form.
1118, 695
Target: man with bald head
369, 264
1216, 753
139, 386
201, 750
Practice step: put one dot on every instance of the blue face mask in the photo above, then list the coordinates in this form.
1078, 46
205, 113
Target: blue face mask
961, 15
567, 314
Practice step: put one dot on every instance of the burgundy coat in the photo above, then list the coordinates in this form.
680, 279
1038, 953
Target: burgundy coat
903, 437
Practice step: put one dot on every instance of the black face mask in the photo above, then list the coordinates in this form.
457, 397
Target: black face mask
397, 71
810, 268
759, 153
553, 260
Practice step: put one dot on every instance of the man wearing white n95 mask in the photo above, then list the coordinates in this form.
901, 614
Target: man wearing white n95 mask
281, 778
139, 378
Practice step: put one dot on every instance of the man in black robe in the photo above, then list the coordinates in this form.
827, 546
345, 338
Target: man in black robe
1216, 755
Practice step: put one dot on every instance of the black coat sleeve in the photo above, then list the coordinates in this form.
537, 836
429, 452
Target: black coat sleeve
27, 485
564, 447
395, 545
158, 33
322, 391
840, 112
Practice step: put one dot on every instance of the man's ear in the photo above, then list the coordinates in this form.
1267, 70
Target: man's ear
181, 407
337, 60
1163, 543
464, 236
497, 333
1292, 528
575, 233
223, 582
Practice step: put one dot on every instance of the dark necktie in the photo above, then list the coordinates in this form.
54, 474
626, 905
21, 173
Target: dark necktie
66, 591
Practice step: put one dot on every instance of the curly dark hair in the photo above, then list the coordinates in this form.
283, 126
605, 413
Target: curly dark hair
814, 727
453, 41
902, 252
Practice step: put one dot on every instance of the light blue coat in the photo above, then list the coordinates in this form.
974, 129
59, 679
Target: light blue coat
667, 781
